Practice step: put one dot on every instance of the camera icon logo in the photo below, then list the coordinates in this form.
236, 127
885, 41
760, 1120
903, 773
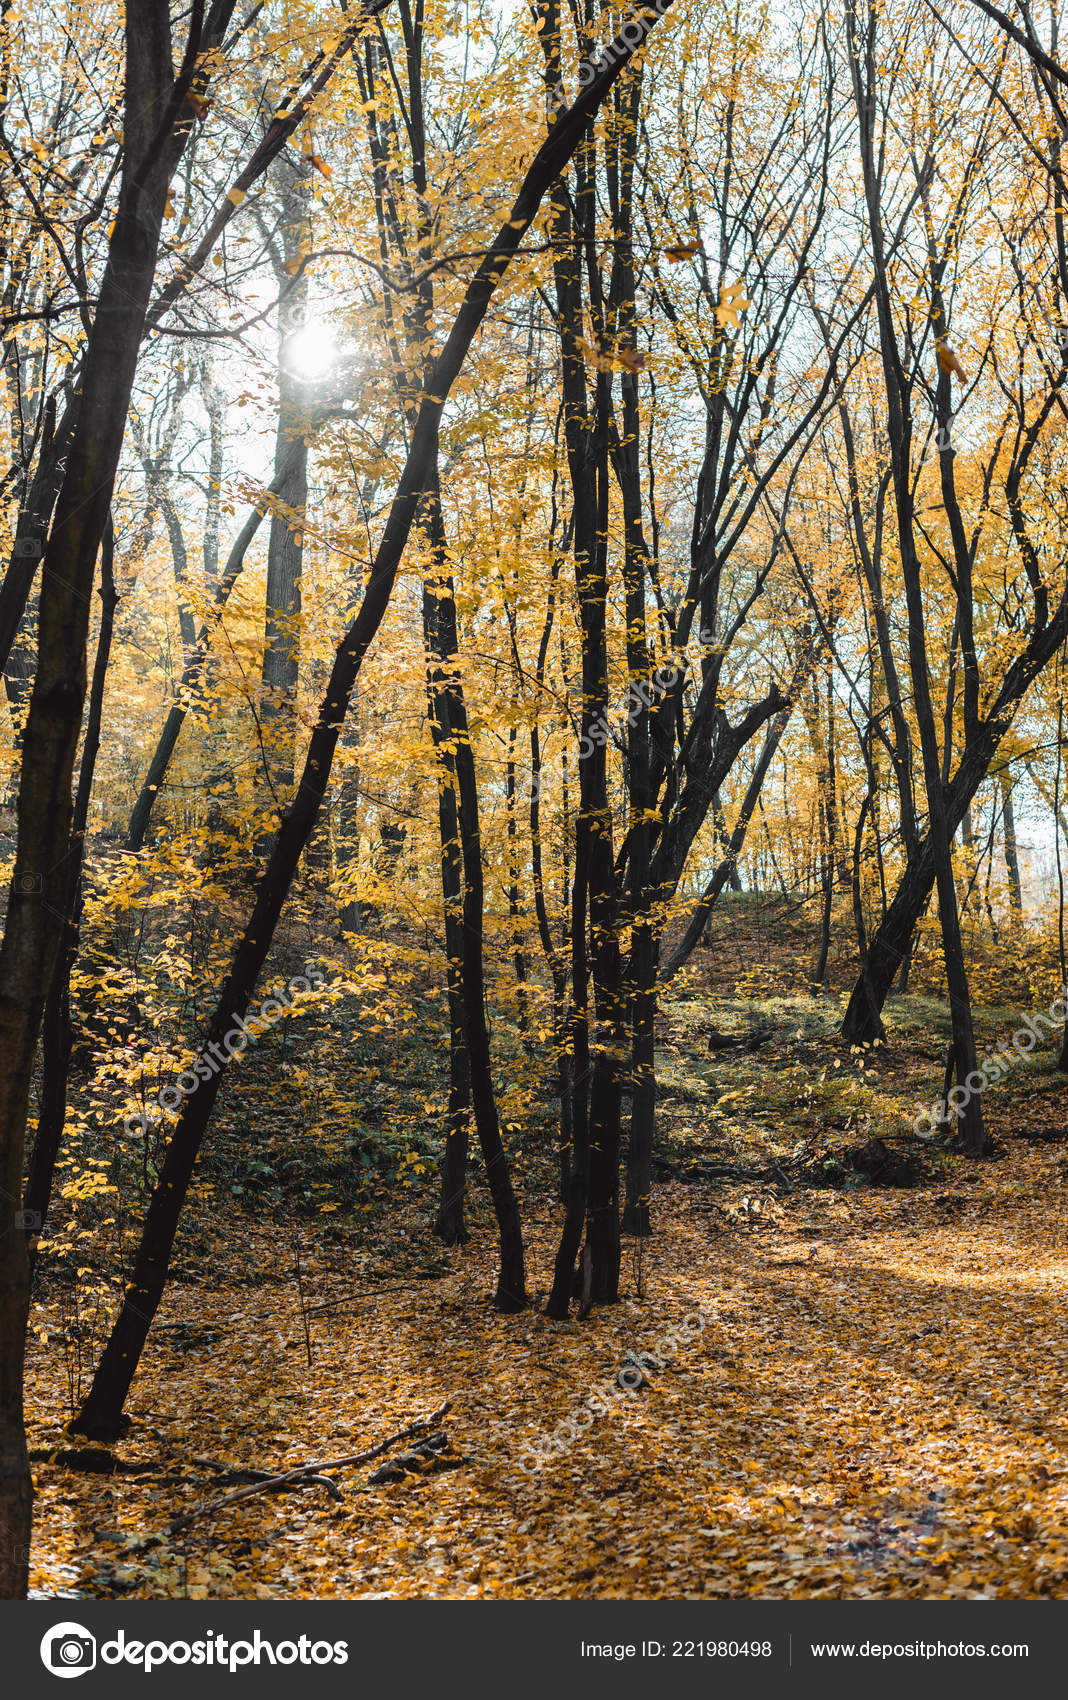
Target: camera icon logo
28, 1220
27, 885
68, 1650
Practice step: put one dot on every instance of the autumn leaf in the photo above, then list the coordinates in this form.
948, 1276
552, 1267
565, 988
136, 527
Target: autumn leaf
948, 361
732, 303
676, 252
594, 355
631, 359
612, 360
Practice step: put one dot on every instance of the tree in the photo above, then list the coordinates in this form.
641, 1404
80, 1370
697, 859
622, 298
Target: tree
155, 131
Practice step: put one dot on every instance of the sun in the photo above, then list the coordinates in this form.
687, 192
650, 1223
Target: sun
310, 353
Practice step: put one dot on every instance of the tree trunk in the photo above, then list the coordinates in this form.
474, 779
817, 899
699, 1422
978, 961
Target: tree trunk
1012, 856
723, 838
721, 876
37, 903
644, 958
899, 424
285, 548
449, 1223
57, 1036
31, 534
511, 1284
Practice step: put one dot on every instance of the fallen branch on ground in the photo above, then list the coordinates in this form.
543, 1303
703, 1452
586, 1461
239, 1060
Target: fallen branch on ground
424, 1459
305, 1472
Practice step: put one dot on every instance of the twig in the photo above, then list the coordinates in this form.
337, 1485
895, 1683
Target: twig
307, 1471
243, 1473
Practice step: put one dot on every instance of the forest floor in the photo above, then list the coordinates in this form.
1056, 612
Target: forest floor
873, 1407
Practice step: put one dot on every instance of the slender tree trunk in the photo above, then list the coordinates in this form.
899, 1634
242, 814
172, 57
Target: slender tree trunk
1062, 954
37, 902
577, 1180
1012, 855
285, 547
899, 421
723, 837
701, 915
602, 1225
511, 1286
642, 970
449, 1224
640, 988
57, 1034
515, 919
819, 973
557, 969
593, 1178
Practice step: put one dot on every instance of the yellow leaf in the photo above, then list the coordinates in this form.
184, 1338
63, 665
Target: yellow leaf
732, 302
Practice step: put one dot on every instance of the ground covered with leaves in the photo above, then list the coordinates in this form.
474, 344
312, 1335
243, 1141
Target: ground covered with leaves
870, 1405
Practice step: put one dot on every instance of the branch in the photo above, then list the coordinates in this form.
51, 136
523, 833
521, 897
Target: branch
305, 1472
1024, 40
286, 120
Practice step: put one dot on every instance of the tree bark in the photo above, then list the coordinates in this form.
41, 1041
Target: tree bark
57, 1034
37, 902
449, 1223
1012, 854
285, 547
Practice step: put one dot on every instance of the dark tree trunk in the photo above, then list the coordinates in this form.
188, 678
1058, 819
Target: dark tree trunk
640, 989
38, 899
511, 1284
637, 1212
1012, 855
515, 918
449, 1223
597, 1042
723, 838
31, 534
899, 423
57, 1035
